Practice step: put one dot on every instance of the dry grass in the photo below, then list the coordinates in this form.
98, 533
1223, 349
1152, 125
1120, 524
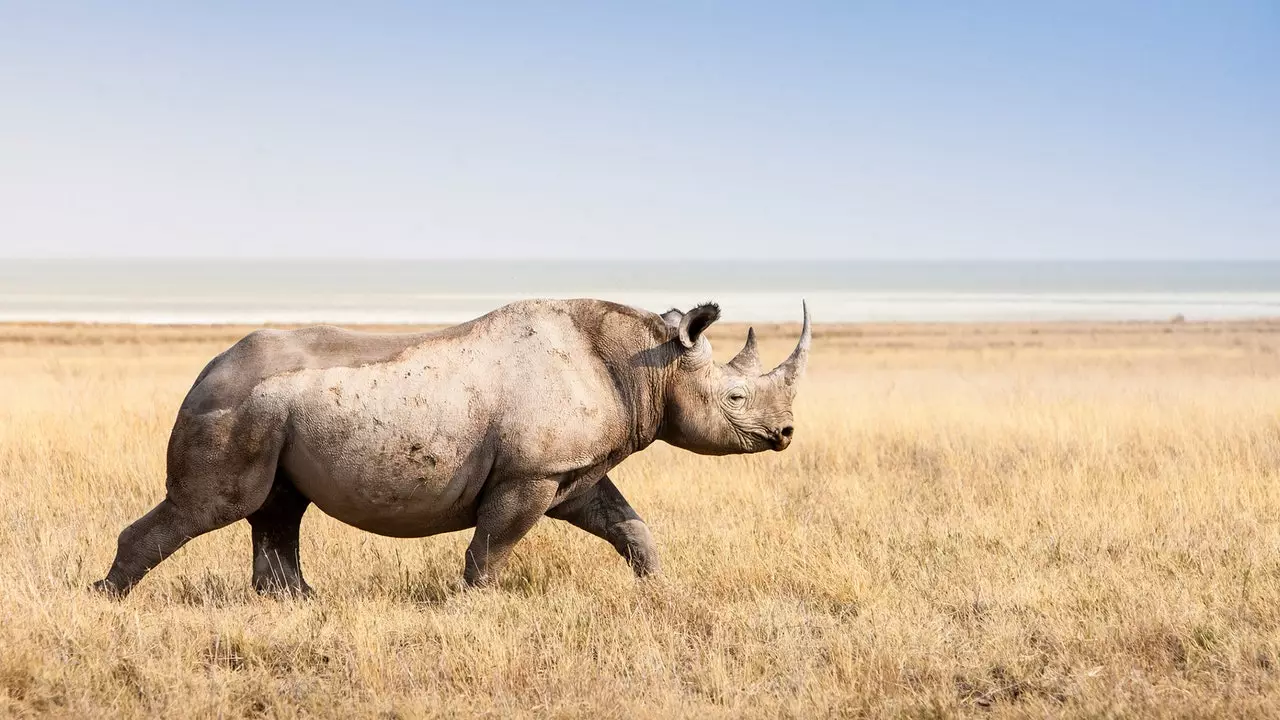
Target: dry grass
974, 520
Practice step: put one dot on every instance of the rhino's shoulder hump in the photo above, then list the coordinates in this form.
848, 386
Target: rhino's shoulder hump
602, 318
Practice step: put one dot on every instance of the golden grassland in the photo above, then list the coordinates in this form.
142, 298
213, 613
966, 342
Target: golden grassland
974, 520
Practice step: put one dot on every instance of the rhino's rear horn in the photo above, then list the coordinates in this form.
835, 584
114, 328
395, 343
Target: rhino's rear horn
747, 361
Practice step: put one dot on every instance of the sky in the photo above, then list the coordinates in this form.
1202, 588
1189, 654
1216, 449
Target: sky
699, 130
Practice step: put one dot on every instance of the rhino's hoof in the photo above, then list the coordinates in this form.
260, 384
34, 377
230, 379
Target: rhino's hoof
473, 581
282, 592
107, 588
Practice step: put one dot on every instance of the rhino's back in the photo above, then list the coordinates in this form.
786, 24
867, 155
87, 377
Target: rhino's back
230, 378
523, 351
568, 326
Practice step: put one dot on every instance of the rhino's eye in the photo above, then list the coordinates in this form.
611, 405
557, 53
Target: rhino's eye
737, 398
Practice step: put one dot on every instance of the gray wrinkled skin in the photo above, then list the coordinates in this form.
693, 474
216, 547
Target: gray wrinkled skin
490, 424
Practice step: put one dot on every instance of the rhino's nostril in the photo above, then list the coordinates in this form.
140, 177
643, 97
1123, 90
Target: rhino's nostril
786, 431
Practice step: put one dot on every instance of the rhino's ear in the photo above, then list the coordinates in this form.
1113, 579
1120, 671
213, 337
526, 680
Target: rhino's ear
695, 322
672, 318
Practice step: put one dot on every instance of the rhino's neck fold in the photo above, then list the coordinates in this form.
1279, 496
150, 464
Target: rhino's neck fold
642, 392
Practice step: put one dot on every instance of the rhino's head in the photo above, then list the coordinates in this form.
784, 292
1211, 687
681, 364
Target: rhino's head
716, 409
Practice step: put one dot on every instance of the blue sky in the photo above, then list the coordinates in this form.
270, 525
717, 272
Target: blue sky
972, 130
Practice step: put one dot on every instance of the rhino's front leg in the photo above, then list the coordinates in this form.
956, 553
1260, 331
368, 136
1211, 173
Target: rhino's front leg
505, 514
602, 511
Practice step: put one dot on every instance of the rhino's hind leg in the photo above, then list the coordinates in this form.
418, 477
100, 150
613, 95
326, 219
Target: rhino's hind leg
221, 467
603, 512
277, 568
152, 538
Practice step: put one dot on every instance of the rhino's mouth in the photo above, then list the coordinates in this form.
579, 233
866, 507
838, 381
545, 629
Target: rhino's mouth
776, 441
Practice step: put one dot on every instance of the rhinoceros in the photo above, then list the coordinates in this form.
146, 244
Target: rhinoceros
490, 424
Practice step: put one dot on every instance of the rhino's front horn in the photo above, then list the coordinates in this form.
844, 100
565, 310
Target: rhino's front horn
747, 361
793, 367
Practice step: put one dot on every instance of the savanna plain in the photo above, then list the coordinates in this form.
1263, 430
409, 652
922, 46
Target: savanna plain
1073, 520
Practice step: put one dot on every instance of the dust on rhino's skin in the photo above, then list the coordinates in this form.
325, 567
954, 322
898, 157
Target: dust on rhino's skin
490, 424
